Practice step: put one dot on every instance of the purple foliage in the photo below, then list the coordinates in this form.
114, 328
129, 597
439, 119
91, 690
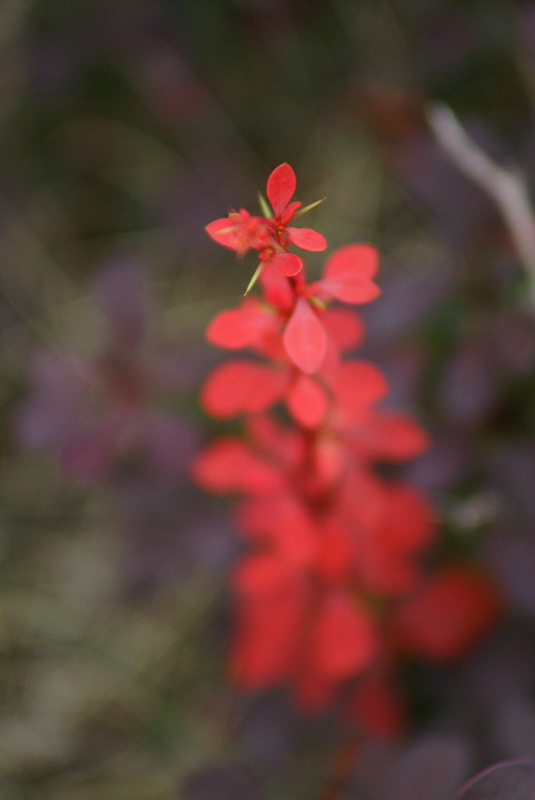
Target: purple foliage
430, 769
103, 419
97, 415
220, 783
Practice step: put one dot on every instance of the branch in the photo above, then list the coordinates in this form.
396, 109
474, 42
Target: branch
506, 187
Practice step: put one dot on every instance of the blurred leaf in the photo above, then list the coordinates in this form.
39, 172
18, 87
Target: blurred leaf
513, 780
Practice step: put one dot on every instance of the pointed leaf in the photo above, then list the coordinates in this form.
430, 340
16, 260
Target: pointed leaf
281, 187
305, 339
307, 239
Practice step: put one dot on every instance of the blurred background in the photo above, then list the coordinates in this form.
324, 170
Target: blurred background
125, 127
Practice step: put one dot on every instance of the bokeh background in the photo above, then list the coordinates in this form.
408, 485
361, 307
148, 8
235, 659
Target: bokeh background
125, 127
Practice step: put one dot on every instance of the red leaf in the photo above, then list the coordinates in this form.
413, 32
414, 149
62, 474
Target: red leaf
281, 188
388, 435
338, 549
357, 386
260, 574
241, 387
410, 521
307, 402
329, 458
228, 466
344, 327
269, 621
344, 640
240, 231
222, 231
379, 705
284, 524
307, 239
357, 259
239, 327
282, 443
276, 288
448, 616
348, 274
387, 557
313, 693
305, 339
288, 263
289, 212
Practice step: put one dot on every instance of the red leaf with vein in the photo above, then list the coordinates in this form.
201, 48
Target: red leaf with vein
305, 339
348, 274
307, 402
241, 387
307, 239
281, 187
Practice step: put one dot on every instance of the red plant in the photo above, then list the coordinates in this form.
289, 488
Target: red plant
331, 591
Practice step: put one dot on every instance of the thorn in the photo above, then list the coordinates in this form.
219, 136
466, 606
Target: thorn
264, 206
309, 207
253, 279
317, 302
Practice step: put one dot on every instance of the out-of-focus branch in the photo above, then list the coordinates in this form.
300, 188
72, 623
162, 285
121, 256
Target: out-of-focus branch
506, 187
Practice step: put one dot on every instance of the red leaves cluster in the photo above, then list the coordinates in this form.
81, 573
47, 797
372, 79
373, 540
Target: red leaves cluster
332, 588
271, 236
